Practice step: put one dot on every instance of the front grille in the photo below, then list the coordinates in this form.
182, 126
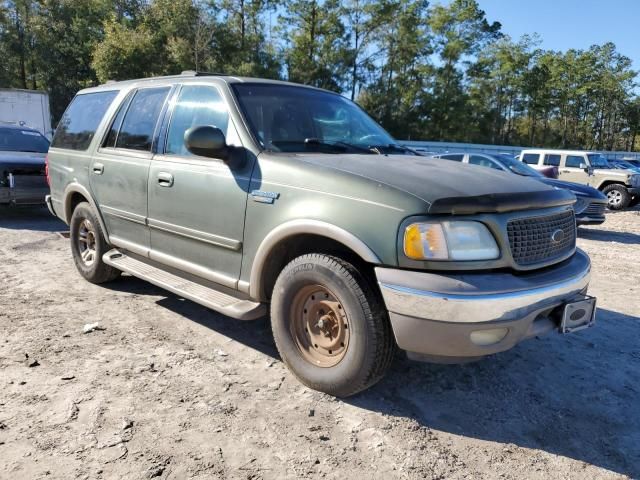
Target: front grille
595, 209
532, 239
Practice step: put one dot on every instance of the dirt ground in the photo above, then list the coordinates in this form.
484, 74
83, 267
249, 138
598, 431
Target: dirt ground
169, 389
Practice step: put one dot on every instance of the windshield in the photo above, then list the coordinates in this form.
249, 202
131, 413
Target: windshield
295, 119
22, 140
598, 161
516, 166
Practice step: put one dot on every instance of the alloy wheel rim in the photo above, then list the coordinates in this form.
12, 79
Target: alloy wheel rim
319, 326
615, 197
87, 242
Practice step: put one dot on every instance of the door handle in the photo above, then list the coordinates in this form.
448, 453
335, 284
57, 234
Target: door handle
98, 168
165, 179
565, 171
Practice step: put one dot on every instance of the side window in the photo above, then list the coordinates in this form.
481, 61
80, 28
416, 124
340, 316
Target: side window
552, 159
531, 158
482, 161
456, 157
139, 122
112, 136
574, 161
197, 105
81, 119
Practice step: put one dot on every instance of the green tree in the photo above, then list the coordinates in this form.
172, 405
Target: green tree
460, 30
315, 46
398, 96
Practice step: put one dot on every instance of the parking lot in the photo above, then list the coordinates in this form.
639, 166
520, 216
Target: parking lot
165, 388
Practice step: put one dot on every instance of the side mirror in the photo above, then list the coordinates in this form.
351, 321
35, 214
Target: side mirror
206, 141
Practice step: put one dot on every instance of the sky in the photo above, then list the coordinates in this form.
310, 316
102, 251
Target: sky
565, 24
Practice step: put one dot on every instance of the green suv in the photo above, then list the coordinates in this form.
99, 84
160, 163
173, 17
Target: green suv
245, 194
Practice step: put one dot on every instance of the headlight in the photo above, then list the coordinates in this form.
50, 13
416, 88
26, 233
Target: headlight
581, 204
450, 240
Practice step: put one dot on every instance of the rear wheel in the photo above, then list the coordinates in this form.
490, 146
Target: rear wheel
88, 245
618, 196
329, 325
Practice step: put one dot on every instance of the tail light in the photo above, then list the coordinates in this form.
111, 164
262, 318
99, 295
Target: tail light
46, 169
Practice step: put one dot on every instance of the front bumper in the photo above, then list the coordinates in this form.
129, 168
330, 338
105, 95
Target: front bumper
435, 315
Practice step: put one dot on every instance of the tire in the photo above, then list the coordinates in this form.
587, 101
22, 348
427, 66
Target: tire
324, 299
88, 245
618, 196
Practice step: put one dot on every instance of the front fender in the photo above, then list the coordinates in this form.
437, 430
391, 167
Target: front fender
299, 227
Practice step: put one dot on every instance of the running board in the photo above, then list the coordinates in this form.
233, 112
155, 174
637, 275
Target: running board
209, 297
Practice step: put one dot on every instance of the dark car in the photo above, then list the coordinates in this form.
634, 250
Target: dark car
590, 204
635, 163
22, 166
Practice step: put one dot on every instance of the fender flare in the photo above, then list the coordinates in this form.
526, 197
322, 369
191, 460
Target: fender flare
75, 187
300, 227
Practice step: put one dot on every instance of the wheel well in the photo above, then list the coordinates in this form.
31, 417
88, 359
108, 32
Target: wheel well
297, 245
610, 182
73, 202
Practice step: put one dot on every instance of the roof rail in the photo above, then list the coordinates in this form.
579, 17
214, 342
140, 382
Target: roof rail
195, 73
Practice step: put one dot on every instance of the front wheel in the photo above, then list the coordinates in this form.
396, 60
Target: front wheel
618, 196
329, 325
88, 245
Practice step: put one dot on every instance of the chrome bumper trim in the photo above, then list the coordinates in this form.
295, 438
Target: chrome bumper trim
485, 297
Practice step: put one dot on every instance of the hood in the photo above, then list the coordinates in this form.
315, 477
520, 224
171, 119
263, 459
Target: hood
12, 160
576, 188
450, 187
616, 172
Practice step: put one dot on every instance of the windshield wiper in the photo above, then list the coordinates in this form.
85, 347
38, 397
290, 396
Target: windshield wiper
345, 146
380, 149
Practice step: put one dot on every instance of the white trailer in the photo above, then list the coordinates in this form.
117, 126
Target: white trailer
29, 108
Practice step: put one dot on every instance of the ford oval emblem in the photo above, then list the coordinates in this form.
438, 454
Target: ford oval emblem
557, 236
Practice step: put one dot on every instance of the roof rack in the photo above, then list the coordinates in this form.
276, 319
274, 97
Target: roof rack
195, 73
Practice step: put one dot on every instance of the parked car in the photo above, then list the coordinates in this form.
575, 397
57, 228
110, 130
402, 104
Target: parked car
623, 165
590, 203
22, 166
247, 194
549, 172
632, 161
589, 168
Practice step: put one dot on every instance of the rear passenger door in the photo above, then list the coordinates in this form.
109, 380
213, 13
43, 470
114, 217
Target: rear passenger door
120, 168
197, 204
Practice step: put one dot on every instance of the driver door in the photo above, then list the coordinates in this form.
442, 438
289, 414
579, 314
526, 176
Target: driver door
570, 170
197, 204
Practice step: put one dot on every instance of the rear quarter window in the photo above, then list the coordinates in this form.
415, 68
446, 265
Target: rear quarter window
81, 119
531, 158
456, 157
